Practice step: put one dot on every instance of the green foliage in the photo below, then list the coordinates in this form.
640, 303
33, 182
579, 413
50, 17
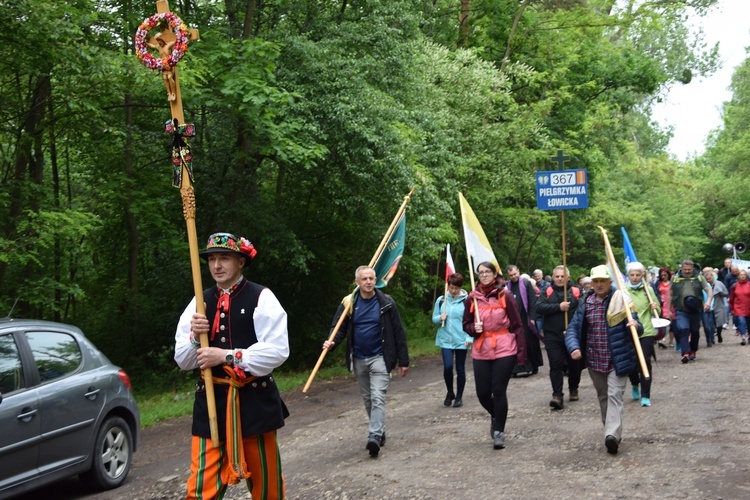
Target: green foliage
312, 125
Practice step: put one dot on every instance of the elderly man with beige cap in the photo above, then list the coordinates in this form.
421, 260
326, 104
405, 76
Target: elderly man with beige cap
599, 334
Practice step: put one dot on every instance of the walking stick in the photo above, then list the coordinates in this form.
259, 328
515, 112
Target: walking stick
183, 178
348, 304
621, 286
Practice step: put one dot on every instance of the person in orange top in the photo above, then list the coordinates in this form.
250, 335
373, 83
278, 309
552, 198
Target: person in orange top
664, 287
491, 316
739, 303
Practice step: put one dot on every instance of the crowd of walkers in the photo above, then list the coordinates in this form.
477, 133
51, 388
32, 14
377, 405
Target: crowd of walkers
590, 324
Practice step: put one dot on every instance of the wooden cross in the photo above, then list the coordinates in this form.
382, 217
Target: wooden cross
163, 42
560, 159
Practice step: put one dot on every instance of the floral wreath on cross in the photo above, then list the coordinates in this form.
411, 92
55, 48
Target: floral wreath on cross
180, 46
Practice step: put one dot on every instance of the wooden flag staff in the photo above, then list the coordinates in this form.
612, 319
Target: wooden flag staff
348, 303
565, 266
621, 287
166, 43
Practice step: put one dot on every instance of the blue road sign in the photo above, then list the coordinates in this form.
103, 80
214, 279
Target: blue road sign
562, 189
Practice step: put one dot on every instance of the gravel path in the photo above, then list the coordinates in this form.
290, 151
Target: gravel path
692, 443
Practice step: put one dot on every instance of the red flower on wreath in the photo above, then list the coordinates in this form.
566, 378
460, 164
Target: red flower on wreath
178, 50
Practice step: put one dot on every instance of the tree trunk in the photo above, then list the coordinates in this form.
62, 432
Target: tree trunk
57, 257
28, 158
249, 18
134, 236
463, 24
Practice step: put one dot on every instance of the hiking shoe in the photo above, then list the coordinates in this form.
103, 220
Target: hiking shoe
458, 403
573, 395
556, 403
373, 446
691, 357
684, 359
612, 444
448, 399
645, 402
636, 393
498, 440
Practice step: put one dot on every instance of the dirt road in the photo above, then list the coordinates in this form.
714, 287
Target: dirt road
694, 442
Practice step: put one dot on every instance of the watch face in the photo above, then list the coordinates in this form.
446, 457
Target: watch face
229, 358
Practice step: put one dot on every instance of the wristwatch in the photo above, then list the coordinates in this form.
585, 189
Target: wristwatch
229, 357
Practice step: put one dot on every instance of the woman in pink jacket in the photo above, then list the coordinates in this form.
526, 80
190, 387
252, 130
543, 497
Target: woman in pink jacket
491, 316
739, 303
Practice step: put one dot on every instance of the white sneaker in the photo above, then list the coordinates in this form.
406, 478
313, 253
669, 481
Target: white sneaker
725, 326
734, 327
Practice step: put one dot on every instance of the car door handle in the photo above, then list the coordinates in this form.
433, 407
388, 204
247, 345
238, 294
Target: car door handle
93, 392
27, 415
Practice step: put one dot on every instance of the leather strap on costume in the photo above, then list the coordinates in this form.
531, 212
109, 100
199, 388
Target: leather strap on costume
236, 468
492, 335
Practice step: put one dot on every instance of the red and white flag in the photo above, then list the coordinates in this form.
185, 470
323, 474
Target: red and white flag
449, 267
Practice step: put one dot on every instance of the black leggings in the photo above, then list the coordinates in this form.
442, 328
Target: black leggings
636, 376
491, 379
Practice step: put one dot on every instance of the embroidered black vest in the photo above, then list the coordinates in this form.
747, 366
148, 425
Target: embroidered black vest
261, 407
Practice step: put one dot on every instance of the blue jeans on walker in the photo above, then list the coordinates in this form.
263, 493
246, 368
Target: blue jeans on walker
373, 381
741, 322
687, 331
709, 326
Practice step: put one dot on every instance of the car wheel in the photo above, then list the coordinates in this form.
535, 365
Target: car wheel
113, 454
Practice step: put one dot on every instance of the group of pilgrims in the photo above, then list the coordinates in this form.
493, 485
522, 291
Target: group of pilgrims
591, 324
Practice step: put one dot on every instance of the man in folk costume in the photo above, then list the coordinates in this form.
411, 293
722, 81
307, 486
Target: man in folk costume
525, 295
248, 335
599, 334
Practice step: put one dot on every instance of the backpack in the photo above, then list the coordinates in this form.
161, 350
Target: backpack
576, 291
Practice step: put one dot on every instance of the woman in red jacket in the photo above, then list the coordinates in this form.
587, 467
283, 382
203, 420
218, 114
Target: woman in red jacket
739, 303
491, 317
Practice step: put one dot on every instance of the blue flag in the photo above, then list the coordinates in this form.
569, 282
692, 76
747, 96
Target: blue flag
388, 261
628, 248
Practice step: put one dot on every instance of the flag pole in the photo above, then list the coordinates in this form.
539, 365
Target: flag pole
565, 267
621, 286
348, 304
445, 293
471, 276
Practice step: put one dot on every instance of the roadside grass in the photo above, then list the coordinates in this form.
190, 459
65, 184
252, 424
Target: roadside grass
157, 404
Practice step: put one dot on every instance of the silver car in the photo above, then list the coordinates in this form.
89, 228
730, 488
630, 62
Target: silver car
65, 410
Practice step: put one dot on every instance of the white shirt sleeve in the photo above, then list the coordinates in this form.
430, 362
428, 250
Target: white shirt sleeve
272, 348
185, 353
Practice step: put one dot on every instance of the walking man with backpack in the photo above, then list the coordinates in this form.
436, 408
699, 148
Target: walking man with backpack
553, 305
688, 286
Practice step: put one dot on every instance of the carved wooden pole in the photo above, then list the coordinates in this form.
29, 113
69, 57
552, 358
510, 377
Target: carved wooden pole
165, 42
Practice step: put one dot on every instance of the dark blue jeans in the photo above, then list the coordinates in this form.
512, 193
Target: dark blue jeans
687, 331
709, 326
460, 355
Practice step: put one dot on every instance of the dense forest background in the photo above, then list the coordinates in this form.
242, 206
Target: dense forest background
314, 119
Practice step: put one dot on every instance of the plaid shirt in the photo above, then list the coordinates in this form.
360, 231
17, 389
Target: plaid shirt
598, 355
